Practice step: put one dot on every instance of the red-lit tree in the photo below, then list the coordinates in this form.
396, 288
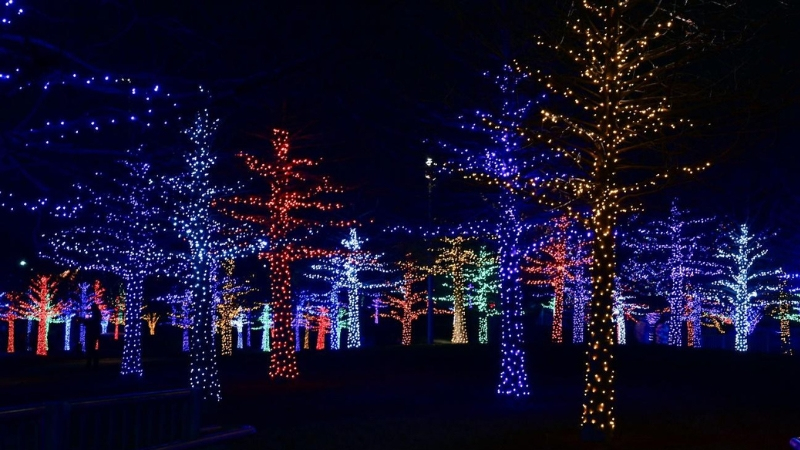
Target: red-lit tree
283, 215
410, 304
554, 267
41, 304
9, 312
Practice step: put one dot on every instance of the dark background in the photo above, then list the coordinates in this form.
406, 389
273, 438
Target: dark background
369, 88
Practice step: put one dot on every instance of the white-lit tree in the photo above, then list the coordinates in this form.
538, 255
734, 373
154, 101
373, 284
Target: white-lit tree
744, 281
123, 235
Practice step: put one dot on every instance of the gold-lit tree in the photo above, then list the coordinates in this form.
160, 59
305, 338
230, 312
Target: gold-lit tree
151, 318
617, 133
283, 216
451, 260
229, 301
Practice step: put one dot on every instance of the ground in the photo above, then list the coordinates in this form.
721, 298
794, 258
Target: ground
442, 397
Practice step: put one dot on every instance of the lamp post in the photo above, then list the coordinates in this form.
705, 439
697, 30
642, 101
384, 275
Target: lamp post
430, 177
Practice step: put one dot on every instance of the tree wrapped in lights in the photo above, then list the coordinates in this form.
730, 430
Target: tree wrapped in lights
41, 303
410, 304
209, 242
181, 315
669, 255
123, 238
229, 301
346, 271
289, 193
556, 266
323, 326
785, 311
578, 291
151, 318
616, 135
9, 313
266, 327
743, 282
117, 305
452, 260
484, 277
507, 164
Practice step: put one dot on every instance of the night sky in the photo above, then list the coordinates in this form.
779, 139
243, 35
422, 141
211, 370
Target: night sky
371, 89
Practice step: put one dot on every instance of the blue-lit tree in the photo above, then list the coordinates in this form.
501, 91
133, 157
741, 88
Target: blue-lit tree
181, 315
508, 165
743, 281
124, 236
669, 253
578, 291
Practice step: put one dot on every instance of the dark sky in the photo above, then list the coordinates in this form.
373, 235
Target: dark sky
364, 86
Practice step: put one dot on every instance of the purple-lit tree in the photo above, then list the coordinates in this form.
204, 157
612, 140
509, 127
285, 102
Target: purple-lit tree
578, 291
505, 163
669, 253
181, 315
123, 238
743, 282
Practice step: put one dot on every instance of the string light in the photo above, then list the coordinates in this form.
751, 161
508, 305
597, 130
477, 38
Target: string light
484, 276
151, 318
122, 239
667, 254
410, 304
452, 260
9, 312
742, 283
41, 303
556, 265
284, 229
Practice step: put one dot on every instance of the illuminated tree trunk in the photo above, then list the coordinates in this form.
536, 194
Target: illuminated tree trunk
132, 346
336, 337
676, 301
513, 374
598, 403
353, 322
185, 347
459, 312
28, 334
283, 360
67, 332
203, 373
226, 336
741, 326
10, 345
408, 319
556, 334
82, 338
322, 329
307, 337
41, 338
483, 328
